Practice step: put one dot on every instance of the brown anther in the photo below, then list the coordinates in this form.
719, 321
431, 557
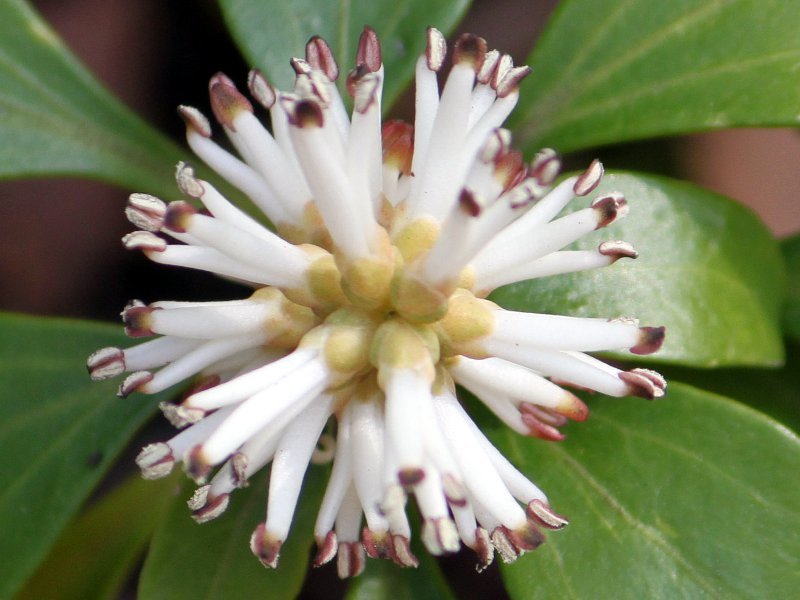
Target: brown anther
401, 552
187, 182
320, 56
525, 538
538, 429
145, 241
105, 363
306, 113
454, 490
589, 179
377, 544
469, 203
178, 216
220, 77
545, 166
511, 80
369, 50
642, 384
239, 470
179, 415
155, 461
145, 211
411, 476
300, 66
607, 211
326, 549
210, 510
133, 382
136, 318
195, 120
489, 66
436, 50
196, 465
510, 168
266, 547
545, 415
504, 65
495, 145
617, 249
350, 560
469, 50
199, 498
484, 549
654, 376
571, 407
650, 340
541, 513
440, 536
260, 89
505, 547
226, 101
398, 145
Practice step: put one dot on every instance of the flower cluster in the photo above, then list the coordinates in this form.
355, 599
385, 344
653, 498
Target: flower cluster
369, 307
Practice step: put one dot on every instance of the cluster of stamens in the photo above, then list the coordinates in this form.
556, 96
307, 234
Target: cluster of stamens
369, 308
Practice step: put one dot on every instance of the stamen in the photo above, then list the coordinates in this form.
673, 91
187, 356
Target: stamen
320, 56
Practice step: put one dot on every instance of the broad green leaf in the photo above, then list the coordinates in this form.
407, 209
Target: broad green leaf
707, 269
775, 392
59, 433
56, 119
691, 497
383, 580
791, 314
270, 32
95, 556
613, 70
213, 560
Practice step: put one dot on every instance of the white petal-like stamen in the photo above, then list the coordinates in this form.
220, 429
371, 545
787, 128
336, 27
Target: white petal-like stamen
480, 476
370, 306
238, 173
367, 430
156, 353
291, 460
198, 359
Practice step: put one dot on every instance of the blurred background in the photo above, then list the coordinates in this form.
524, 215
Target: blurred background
60, 246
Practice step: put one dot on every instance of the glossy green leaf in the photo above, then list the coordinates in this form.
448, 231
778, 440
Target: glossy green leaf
95, 556
791, 314
56, 119
613, 70
691, 497
270, 32
775, 392
59, 433
213, 560
707, 269
383, 580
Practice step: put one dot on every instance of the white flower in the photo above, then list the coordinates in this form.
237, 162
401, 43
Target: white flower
369, 307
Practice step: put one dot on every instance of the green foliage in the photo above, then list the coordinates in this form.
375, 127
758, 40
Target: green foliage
270, 32
213, 560
59, 433
690, 497
720, 299
791, 314
612, 70
56, 119
96, 554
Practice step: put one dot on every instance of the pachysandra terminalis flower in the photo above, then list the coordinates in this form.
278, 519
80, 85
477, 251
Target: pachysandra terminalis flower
369, 307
